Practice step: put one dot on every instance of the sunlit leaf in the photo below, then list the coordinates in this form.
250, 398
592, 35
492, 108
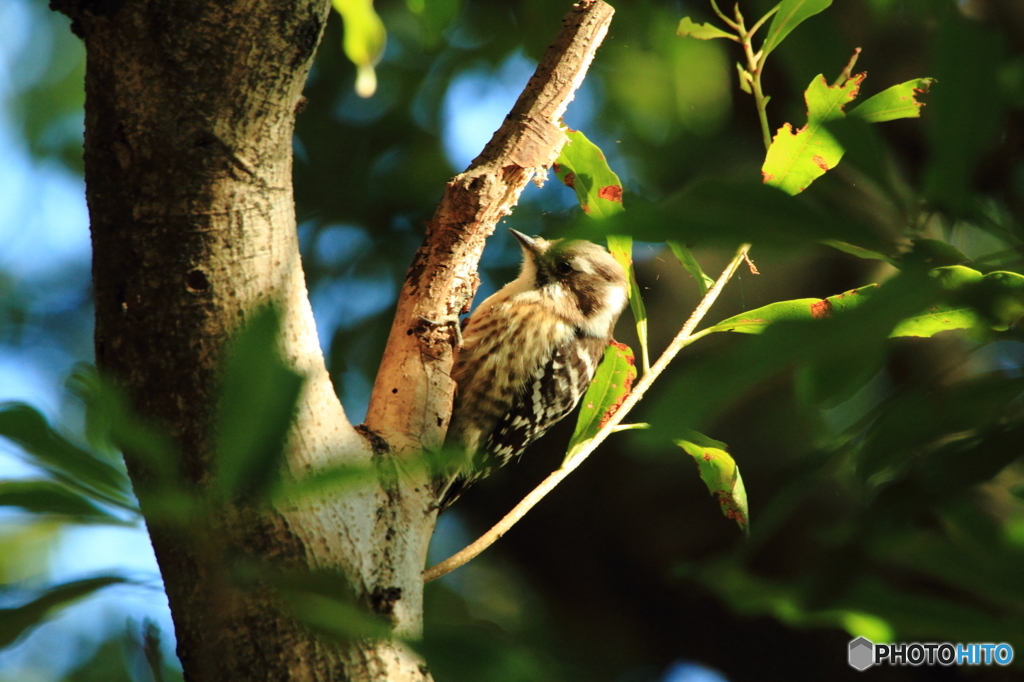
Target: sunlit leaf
796, 158
14, 622
720, 474
258, 404
364, 41
687, 260
621, 247
611, 385
996, 299
53, 499
757, 320
65, 461
899, 101
791, 14
828, 344
582, 166
687, 27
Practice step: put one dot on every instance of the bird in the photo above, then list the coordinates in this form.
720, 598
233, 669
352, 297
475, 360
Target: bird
529, 353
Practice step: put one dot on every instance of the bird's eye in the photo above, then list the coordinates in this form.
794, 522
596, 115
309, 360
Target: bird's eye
564, 267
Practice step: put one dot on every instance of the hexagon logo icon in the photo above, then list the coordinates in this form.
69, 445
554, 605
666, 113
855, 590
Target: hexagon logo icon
862, 653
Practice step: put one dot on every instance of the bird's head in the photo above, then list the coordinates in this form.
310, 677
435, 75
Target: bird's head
582, 280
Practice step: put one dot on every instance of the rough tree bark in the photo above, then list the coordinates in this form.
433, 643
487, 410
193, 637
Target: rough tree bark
190, 107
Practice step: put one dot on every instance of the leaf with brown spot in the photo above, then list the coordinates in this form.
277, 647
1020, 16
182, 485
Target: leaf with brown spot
821, 309
756, 321
612, 383
720, 474
582, 166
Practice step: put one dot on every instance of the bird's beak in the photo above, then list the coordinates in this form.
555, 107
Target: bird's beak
531, 245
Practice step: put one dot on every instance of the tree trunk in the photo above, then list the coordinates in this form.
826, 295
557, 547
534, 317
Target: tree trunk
190, 107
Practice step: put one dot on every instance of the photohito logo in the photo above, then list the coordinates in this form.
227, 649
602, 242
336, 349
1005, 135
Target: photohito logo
863, 653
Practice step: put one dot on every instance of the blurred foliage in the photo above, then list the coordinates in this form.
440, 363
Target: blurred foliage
880, 471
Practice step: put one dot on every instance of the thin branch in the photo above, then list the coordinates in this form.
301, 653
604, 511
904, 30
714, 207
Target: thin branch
722, 15
760, 22
412, 396
684, 338
755, 64
739, 15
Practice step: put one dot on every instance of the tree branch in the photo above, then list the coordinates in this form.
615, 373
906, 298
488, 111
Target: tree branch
412, 397
684, 338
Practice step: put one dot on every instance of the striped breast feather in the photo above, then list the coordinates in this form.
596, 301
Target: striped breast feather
551, 393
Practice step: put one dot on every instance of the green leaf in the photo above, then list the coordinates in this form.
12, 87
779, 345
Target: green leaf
867, 153
796, 158
687, 27
791, 14
65, 461
932, 253
15, 622
995, 300
758, 320
687, 260
582, 166
259, 398
899, 101
720, 474
621, 247
41, 496
828, 345
364, 41
858, 251
611, 385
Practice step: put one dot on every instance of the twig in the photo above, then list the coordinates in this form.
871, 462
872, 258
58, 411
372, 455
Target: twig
722, 15
760, 22
755, 65
682, 339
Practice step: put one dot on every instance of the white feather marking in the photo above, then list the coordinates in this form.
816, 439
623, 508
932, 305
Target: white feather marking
600, 324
